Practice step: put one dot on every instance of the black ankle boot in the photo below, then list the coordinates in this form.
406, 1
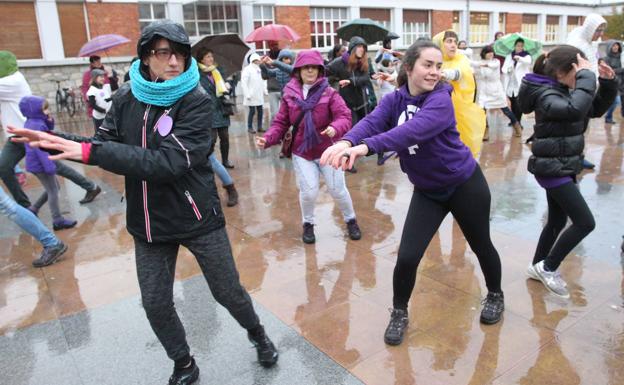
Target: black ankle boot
308, 233
267, 353
185, 376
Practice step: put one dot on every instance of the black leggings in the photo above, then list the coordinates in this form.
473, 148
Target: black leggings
470, 206
563, 202
515, 108
224, 142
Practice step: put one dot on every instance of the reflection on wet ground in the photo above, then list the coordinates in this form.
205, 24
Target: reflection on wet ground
336, 293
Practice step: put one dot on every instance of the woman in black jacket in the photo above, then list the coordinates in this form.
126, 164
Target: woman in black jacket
561, 92
614, 53
155, 135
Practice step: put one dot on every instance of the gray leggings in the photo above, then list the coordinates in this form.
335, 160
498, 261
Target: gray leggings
156, 272
51, 186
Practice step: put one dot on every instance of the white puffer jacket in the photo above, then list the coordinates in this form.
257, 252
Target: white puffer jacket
581, 37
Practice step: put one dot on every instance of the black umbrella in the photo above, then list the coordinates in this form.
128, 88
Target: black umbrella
228, 49
367, 29
392, 36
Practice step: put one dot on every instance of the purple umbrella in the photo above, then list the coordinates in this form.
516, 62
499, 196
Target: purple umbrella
102, 43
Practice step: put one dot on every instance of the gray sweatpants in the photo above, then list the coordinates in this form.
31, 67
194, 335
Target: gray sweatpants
50, 184
156, 271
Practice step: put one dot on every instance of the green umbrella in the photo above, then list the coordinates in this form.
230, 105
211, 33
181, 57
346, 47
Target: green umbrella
505, 45
367, 29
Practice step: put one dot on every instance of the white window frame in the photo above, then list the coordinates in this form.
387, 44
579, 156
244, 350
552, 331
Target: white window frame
480, 33
412, 31
552, 32
211, 20
264, 19
151, 18
502, 24
316, 37
530, 31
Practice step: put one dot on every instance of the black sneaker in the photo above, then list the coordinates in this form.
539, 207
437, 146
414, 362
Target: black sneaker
308, 233
354, 230
493, 306
90, 195
396, 328
267, 353
623, 245
185, 376
49, 255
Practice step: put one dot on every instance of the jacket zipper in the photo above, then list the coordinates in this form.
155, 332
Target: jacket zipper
148, 227
193, 205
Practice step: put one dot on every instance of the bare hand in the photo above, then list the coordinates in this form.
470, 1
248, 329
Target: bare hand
260, 142
397, 54
68, 148
582, 63
516, 57
344, 83
267, 60
329, 131
605, 71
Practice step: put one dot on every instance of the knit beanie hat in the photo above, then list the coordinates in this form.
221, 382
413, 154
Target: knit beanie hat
97, 72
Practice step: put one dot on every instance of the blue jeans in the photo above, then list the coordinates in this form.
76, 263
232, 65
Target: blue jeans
220, 171
616, 102
26, 220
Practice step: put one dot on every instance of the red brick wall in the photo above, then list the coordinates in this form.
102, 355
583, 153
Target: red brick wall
298, 18
513, 23
119, 18
440, 21
19, 30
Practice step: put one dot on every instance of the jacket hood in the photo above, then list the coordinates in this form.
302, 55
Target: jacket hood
438, 40
532, 86
8, 63
32, 107
286, 53
309, 57
253, 57
355, 41
610, 45
167, 29
590, 25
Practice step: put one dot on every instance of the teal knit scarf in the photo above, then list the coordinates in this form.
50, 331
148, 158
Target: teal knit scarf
163, 94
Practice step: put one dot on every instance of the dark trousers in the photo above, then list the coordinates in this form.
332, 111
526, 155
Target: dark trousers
554, 245
252, 111
224, 142
515, 108
155, 264
510, 115
12, 153
470, 206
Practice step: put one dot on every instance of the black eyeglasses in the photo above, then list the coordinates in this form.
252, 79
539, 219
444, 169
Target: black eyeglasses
164, 54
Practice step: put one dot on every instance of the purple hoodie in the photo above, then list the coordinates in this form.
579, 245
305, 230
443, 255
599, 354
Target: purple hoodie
37, 160
422, 130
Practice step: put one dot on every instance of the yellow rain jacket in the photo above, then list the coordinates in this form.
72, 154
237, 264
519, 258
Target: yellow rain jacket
469, 116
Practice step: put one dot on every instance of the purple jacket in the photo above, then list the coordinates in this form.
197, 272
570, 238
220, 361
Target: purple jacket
422, 130
331, 110
37, 160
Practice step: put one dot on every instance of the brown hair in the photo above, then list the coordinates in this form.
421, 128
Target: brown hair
409, 58
45, 105
559, 60
448, 34
355, 63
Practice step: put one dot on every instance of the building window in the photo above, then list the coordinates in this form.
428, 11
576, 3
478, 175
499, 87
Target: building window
529, 26
262, 15
573, 22
149, 12
456, 26
378, 15
502, 22
552, 29
211, 18
479, 27
415, 24
323, 25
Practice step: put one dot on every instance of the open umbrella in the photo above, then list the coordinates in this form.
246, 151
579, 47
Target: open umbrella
365, 28
102, 43
392, 36
273, 32
505, 45
228, 50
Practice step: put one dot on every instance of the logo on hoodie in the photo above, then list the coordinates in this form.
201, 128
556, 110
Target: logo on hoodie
410, 111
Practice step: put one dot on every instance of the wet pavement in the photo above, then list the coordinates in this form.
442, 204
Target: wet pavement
80, 321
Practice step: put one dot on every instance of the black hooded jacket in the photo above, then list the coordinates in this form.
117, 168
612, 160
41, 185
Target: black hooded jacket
170, 189
561, 117
614, 61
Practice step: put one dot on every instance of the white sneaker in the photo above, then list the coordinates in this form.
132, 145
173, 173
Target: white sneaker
552, 280
531, 273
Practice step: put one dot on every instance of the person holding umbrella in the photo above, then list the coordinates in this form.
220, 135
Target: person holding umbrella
155, 135
385, 52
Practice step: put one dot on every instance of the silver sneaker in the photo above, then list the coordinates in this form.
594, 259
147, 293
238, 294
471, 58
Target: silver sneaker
531, 272
552, 280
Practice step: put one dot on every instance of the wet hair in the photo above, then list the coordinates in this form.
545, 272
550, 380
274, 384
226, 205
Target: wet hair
518, 40
487, 49
199, 55
352, 64
448, 34
182, 49
558, 60
411, 55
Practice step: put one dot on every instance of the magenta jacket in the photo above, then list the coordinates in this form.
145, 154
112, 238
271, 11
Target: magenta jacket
331, 110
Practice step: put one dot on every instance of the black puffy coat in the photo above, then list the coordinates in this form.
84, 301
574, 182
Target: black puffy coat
614, 61
219, 118
561, 117
356, 93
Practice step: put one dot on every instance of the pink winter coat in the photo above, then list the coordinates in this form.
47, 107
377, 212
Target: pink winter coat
331, 110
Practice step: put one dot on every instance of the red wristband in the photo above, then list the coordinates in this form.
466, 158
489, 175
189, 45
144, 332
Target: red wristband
86, 152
